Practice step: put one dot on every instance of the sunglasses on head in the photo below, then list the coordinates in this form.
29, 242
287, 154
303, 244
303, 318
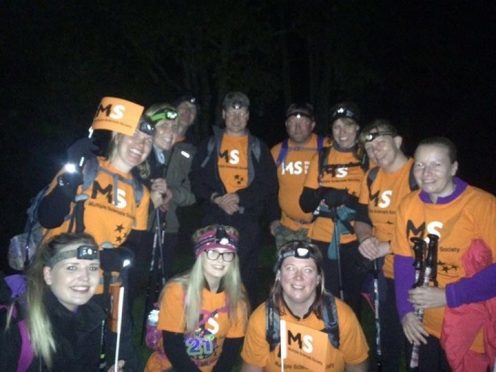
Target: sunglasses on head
164, 115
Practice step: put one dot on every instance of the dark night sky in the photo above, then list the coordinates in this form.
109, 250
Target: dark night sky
428, 66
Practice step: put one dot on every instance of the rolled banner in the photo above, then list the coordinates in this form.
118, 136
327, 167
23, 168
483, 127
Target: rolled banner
118, 115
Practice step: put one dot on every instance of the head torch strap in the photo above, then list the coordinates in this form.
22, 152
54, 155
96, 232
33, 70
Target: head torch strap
369, 137
83, 252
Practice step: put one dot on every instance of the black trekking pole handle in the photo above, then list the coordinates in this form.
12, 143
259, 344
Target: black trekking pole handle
429, 275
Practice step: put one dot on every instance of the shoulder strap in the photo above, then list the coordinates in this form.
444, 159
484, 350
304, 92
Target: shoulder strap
272, 333
27, 354
255, 147
323, 161
372, 175
330, 315
283, 151
411, 180
320, 142
92, 169
210, 149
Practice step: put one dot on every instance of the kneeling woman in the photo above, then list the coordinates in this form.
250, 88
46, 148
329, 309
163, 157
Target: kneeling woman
203, 314
322, 332
63, 322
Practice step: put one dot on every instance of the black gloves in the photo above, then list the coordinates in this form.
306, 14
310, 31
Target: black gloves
83, 147
336, 197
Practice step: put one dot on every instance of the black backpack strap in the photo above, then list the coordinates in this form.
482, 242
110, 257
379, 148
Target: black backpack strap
371, 176
272, 332
331, 321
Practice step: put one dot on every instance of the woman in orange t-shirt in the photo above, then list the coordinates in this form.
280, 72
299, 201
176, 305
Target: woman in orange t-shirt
203, 313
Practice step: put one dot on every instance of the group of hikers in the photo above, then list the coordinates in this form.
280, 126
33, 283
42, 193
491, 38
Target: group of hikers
353, 218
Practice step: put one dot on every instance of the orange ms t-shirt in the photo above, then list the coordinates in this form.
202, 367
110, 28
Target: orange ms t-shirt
472, 215
342, 171
203, 346
232, 162
383, 199
110, 212
353, 347
291, 175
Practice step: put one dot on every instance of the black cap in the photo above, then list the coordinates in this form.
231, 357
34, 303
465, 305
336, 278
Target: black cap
345, 110
305, 109
236, 100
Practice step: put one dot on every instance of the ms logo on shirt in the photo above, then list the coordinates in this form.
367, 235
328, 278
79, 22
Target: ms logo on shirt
383, 200
295, 167
109, 195
230, 156
433, 227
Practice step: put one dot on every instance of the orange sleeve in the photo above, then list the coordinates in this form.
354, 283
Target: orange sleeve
171, 317
238, 328
312, 178
256, 348
353, 344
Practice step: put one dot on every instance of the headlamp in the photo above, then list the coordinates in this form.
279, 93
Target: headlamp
146, 127
83, 252
369, 137
237, 105
166, 114
298, 249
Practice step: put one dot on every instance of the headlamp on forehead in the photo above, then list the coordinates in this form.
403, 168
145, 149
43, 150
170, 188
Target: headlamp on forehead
221, 236
164, 115
293, 249
145, 127
237, 105
83, 252
369, 137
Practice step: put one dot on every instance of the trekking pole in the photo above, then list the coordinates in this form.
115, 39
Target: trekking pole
151, 290
283, 334
429, 275
377, 319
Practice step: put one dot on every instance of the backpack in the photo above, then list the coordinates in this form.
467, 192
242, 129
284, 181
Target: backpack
283, 151
373, 175
14, 286
23, 246
329, 315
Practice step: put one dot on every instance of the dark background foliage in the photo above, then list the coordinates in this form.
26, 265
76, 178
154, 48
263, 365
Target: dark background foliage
426, 65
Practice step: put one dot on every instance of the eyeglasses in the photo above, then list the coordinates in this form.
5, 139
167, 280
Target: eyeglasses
226, 256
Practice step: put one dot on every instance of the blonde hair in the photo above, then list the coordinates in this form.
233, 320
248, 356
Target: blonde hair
193, 284
38, 323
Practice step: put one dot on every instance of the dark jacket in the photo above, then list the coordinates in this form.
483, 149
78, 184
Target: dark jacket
77, 337
259, 196
176, 171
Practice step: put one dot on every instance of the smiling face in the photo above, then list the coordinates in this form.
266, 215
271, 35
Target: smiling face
344, 132
131, 150
165, 134
236, 120
215, 269
299, 280
434, 171
299, 128
384, 150
73, 281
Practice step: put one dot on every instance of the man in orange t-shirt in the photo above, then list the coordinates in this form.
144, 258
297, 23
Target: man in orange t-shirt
234, 178
292, 157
